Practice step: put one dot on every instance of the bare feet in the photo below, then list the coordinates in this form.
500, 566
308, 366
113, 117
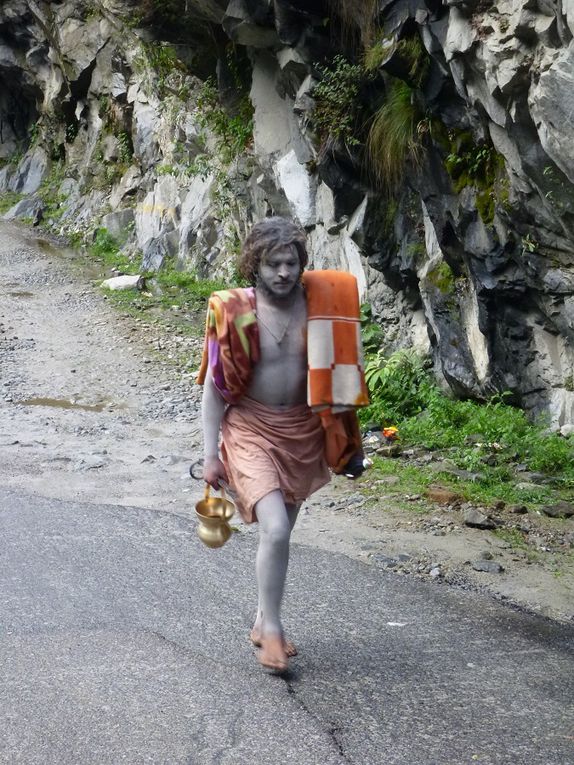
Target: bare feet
288, 645
272, 654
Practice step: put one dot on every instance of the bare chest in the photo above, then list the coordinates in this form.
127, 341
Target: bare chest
282, 336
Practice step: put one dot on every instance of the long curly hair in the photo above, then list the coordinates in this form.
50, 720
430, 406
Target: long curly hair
266, 237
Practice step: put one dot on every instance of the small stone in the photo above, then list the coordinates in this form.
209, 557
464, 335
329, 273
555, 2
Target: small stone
528, 486
435, 572
476, 519
488, 566
486, 555
384, 561
561, 509
517, 509
389, 451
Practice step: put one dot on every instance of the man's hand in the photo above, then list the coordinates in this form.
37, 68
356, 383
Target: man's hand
214, 472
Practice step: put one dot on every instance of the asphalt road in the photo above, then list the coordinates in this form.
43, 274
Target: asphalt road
124, 640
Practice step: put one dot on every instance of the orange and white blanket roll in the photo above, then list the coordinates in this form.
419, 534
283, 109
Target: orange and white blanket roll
336, 377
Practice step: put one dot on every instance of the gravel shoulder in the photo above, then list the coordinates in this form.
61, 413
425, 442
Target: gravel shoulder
95, 406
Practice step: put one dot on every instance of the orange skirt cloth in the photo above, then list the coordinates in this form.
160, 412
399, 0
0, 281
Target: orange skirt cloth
266, 448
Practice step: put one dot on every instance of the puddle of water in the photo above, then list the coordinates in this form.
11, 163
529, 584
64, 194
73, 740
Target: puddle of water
92, 271
63, 403
21, 294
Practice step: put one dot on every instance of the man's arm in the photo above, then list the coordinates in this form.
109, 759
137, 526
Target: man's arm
212, 410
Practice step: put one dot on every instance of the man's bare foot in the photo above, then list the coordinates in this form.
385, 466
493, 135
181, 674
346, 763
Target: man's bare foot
272, 654
288, 645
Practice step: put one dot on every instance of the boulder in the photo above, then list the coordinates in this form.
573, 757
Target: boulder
32, 208
31, 172
119, 224
561, 509
476, 519
125, 282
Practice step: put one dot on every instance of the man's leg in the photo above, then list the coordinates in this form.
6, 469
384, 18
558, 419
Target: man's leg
275, 524
290, 649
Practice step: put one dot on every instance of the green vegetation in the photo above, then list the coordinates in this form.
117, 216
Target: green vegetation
50, 195
377, 53
393, 137
159, 62
371, 332
486, 440
233, 133
8, 199
481, 166
529, 244
112, 114
442, 278
353, 22
177, 296
337, 102
415, 58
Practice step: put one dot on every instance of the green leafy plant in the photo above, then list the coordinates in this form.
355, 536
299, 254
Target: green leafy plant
399, 386
371, 332
337, 102
233, 132
481, 166
529, 244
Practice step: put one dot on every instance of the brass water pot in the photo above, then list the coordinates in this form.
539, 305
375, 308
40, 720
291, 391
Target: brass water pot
213, 514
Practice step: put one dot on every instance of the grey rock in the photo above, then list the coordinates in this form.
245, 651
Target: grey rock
475, 518
488, 566
561, 509
384, 561
26, 208
31, 172
119, 224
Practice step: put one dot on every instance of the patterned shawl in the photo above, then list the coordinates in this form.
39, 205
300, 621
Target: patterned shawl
231, 346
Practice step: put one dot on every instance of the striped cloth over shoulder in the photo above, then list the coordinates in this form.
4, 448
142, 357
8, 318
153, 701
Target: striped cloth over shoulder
336, 377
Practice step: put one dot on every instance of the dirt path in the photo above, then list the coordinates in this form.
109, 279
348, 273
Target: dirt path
91, 410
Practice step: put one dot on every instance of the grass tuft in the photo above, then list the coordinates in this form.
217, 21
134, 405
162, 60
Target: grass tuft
393, 138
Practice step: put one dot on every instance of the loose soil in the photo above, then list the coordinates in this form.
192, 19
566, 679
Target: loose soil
100, 406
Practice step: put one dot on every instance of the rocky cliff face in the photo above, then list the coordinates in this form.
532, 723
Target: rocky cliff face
435, 160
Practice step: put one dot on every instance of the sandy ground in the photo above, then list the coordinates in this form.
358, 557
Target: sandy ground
93, 408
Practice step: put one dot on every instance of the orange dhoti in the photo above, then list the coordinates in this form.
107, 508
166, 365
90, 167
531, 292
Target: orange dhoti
266, 448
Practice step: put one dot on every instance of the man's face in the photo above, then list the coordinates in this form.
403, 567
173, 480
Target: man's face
279, 272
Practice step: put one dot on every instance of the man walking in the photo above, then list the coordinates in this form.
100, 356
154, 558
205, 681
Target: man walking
256, 379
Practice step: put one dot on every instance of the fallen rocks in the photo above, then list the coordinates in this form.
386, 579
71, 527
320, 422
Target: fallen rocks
561, 509
477, 519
